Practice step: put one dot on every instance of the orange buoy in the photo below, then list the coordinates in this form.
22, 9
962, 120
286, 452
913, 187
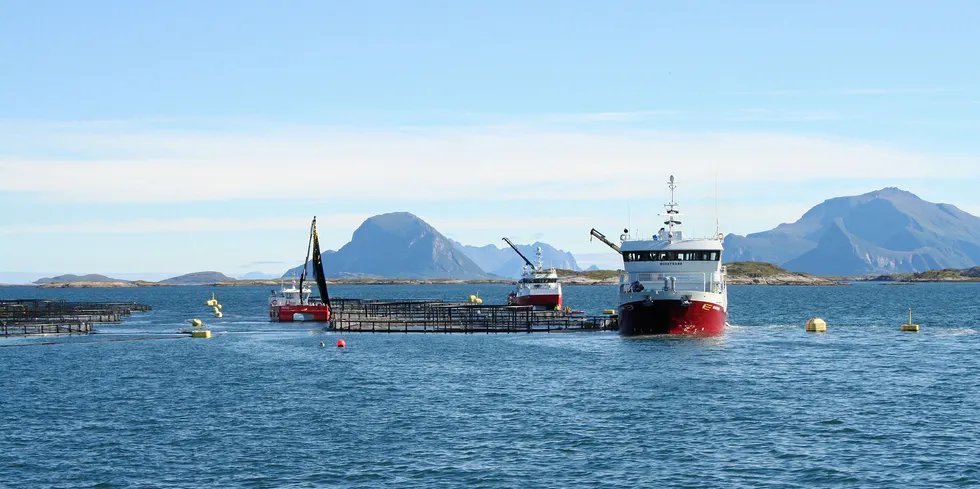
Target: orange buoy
341, 344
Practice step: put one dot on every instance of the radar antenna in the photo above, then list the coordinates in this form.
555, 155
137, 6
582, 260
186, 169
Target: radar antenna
672, 213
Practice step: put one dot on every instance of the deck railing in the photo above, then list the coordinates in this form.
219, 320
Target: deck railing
676, 281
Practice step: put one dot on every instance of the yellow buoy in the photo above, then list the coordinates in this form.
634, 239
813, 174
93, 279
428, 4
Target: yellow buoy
212, 301
217, 312
201, 333
816, 325
197, 323
218, 306
479, 300
909, 326
609, 311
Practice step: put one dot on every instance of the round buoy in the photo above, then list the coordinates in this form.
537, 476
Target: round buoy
341, 344
816, 325
197, 323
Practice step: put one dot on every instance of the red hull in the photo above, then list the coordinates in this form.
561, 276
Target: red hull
289, 314
671, 317
538, 300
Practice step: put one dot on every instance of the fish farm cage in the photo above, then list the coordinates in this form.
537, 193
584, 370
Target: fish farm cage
56, 316
438, 316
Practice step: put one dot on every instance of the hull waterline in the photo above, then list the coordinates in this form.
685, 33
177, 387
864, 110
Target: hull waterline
297, 313
551, 300
643, 318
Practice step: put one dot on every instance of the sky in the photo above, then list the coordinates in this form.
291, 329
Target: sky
150, 139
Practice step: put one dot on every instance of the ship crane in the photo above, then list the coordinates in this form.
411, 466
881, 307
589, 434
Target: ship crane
511, 243
602, 237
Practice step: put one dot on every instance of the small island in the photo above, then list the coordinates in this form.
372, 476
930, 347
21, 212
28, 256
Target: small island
739, 273
762, 273
943, 275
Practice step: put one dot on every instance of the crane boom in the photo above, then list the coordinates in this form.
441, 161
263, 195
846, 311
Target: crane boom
519, 253
602, 238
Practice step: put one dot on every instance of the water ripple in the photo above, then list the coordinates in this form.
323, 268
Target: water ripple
263, 405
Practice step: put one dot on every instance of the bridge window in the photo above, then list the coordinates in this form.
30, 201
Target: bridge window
700, 255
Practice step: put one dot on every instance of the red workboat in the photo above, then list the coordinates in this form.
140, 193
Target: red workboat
537, 287
294, 303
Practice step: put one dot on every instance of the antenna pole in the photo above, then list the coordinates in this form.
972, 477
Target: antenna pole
717, 218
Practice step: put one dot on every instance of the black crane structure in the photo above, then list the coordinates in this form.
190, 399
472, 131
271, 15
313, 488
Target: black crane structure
511, 243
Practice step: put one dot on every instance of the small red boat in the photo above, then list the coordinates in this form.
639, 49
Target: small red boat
290, 304
537, 287
294, 303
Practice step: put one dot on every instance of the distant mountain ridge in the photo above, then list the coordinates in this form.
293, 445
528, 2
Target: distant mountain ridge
71, 278
397, 245
884, 231
258, 276
504, 262
198, 278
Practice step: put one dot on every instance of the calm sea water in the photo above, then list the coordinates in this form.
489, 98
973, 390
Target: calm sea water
263, 405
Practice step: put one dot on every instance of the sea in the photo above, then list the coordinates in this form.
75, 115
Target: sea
261, 404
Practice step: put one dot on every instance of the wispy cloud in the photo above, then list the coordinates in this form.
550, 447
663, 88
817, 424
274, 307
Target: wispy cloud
433, 164
787, 115
890, 91
845, 91
634, 116
147, 225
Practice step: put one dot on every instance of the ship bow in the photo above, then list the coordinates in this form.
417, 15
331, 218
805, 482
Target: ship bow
676, 317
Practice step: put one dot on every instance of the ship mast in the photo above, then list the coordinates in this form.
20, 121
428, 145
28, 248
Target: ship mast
306, 263
671, 211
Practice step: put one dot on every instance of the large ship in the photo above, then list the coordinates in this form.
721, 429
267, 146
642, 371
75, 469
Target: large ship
294, 303
671, 285
537, 287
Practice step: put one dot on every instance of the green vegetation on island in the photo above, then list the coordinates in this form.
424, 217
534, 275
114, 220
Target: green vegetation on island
943, 275
762, 273
590, 274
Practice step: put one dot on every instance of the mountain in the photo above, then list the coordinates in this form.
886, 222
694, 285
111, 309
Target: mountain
258, 276
885, 231
505, 263
198, 278
592, 268
92, 277
487, 257
397, 245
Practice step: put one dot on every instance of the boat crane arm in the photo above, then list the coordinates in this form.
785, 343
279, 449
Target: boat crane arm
602, 237
519, 253
306, 264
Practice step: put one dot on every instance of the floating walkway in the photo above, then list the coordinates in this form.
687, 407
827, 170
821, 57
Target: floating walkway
20, 317
437, 316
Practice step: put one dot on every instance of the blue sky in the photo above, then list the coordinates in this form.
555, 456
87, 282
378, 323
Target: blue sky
157, 138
